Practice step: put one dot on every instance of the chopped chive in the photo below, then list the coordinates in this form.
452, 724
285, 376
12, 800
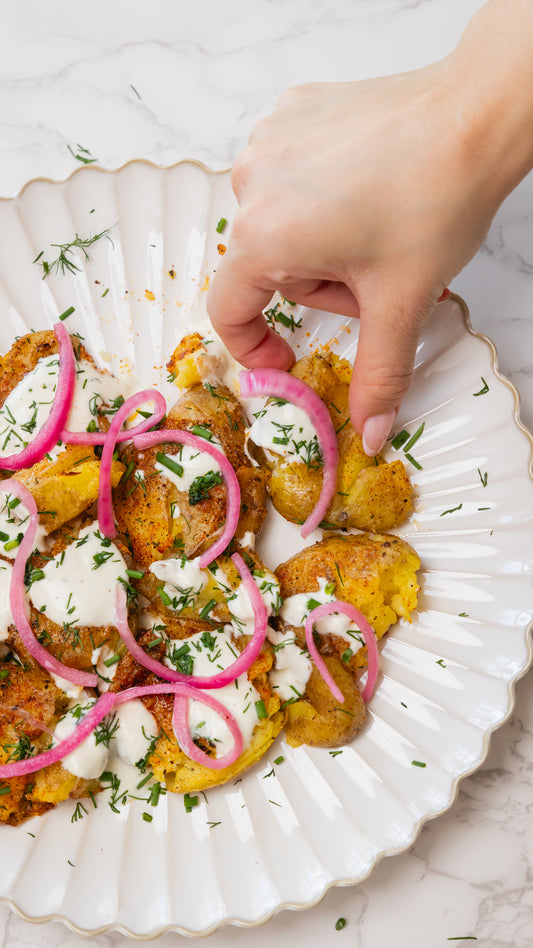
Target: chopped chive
68, 312
413, 461
483, 477
147, 817
189, 802
3, 536
12, 544
164, 596
202, 432
279, 760
400, 439
346, 655
418, 763
452, 510
335, 753
135, 573
134, 90
207, 609
169, 464
483, 390
261, 709
5, 788
415, 437
128, 472
221, 225
112, 661
339, 924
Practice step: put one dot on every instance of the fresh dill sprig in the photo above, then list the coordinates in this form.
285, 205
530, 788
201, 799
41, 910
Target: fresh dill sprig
64, 262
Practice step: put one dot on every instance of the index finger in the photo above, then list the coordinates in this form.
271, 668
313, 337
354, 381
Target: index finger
235, 305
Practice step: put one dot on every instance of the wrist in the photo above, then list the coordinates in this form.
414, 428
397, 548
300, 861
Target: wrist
490, 93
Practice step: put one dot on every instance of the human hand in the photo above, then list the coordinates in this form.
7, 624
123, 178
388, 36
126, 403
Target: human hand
364, 199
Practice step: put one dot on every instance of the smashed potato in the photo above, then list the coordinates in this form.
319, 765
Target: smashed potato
371, 494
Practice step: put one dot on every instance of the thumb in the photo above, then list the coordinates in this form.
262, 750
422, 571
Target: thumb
383, 367
234, 305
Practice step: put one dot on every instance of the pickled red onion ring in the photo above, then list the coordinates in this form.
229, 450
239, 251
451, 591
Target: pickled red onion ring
283, 385
99, 437
241, 665
180, 724
106, 520
109, 700
49, 434
17, 600
184, 693
233, 491
99, 710
325, 609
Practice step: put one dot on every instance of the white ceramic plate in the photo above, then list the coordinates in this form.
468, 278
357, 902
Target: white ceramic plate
284, 837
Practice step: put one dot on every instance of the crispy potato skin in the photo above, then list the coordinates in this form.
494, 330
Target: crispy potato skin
318, 719
371, 494
143, 510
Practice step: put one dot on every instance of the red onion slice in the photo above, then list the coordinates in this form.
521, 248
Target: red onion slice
106, 520
233, 491
109, 700
92, 719
184, 693
49, 434
17, 600
245, 660
180, 724
370, 641
283, 385
99, 437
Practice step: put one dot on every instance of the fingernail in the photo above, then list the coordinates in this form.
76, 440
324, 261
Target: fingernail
376, 430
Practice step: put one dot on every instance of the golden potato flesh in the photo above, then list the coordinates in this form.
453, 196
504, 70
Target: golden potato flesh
319, 719
66, 487
371, 494
376, 573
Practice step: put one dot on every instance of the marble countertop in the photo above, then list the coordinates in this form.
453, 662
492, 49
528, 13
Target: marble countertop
173, 80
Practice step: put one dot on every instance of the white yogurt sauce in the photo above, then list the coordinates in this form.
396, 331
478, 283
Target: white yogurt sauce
80, 584
89, 759
136, 730
6, 619
194, 463
285, 430
93, 389
295, 610
208, 653
183, 579
27, 407
293, 666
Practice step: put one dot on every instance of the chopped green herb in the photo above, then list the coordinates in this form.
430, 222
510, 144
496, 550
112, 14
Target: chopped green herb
418, 763
147, 817
64, 262
482, 391
68, 312
135, 573
169, 463
339, 924
399, 440
279, 760
347, 655
221, 225
413, 461
189, 802
83, 155
201, 485
452, 510
261, 709
483, 477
